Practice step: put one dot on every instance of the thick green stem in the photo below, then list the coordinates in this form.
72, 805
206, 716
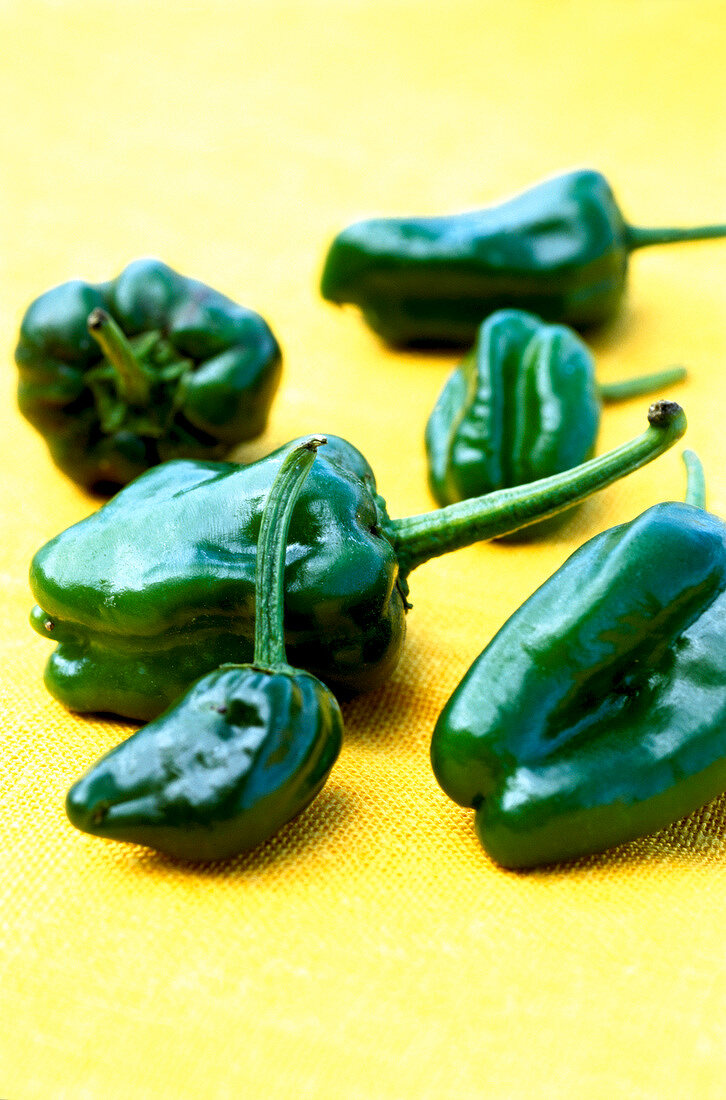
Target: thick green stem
638, 237
644, 383
695, 480
418, 538
131, 378
271, 548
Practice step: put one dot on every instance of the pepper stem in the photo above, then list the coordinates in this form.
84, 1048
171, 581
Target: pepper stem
639, 237
271, 548
695, 480
131, 379
644, 383
418, 538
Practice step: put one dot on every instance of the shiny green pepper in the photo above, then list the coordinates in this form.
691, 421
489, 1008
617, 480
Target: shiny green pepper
120, 376
559, 249
243, 751
523, 405
598, 712
157, 587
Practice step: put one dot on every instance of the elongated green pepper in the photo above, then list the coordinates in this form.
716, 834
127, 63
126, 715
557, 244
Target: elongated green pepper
522, 406
243, 751
157, 587
559, 249
122, 375
598, 712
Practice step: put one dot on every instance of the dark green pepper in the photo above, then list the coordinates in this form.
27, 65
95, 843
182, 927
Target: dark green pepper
157, 587
598, 712
120, 376
243, 751
523, 405
559, 250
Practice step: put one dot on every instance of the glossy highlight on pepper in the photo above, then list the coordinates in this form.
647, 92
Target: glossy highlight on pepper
122, 375
598, 712
243, 751
522, 405
559, 249
157, 587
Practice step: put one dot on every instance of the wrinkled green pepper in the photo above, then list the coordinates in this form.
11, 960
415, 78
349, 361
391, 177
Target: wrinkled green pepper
120, 376
243, 751
559, 249
523, 405
157, 587
598, 712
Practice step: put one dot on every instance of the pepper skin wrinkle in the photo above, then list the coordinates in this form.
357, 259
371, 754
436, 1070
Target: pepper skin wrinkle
120, 376
157, 587
598, 712
559, 249
244, 750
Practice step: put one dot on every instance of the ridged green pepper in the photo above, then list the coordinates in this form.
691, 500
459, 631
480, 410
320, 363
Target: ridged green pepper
243, 751
157, 587
559, 249
122, 375
523, 405
598, 712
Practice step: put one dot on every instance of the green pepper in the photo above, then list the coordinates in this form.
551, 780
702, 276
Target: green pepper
157, 587
598, 712
523, 405
120, 376
559, 249
243, 751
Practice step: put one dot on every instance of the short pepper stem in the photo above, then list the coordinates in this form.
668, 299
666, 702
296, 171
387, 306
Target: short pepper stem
271, 547
131, 378
644, 383
418, 538
695, 480
642, 237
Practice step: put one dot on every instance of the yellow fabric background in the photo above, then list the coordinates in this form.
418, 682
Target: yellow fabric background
370, 950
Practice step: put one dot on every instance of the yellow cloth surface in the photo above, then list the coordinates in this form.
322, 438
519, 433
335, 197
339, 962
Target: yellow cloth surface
371, 949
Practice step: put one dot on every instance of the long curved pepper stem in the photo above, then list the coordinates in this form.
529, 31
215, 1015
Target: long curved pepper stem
132, 380
271, 548
643, 384
639, 237
418, 538
695, 480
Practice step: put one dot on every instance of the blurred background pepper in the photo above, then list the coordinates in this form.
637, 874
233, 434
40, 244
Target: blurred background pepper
559, 249
120, 376
522, 405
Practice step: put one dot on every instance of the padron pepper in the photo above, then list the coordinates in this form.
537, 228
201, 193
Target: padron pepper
157, 587
243, 751
598, 712
559, 249
522, 405
122, 375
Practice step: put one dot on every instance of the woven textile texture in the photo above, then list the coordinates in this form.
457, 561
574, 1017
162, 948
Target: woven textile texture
370, 950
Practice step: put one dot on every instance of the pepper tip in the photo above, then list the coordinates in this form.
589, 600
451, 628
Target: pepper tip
663, 414
96, 318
